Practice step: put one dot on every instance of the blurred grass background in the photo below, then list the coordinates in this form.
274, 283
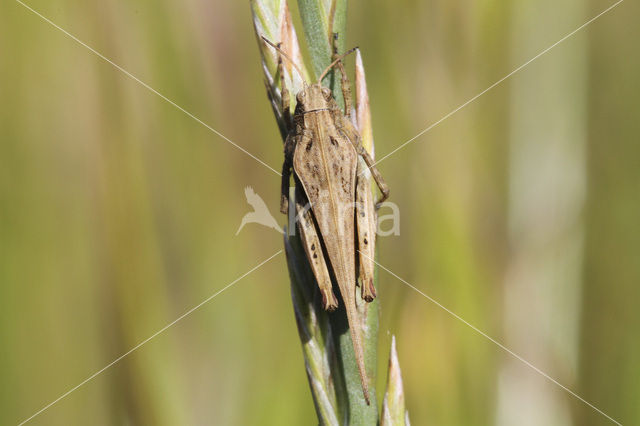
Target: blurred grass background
118, 213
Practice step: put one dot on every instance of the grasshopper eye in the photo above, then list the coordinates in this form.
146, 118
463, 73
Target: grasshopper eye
301, 96
326, 92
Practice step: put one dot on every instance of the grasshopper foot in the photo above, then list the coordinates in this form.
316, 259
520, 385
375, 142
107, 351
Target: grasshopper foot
368, 290
284, 204
329, 301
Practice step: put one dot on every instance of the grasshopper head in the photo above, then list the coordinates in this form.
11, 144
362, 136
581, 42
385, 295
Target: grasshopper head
314, 97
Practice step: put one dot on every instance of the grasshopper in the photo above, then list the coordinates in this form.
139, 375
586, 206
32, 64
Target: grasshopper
324, 151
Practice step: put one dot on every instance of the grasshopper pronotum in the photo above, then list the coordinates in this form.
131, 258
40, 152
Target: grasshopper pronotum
324, 150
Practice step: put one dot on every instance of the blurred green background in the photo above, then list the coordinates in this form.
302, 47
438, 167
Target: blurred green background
118, 213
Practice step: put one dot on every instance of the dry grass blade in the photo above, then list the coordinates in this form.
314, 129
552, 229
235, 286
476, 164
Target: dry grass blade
363, 108
315, 334
393, 409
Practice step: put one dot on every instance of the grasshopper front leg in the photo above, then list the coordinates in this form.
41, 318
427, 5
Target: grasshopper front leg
313, 249
344, 82
284, 94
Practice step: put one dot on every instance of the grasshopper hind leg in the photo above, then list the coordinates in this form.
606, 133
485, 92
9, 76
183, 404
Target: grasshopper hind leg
366, 233
353, 136
315, 253
375, 173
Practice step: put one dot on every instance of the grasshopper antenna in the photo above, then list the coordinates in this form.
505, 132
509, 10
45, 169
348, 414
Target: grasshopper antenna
298, 70
341, 57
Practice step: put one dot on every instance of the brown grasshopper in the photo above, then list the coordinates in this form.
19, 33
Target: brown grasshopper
325, 152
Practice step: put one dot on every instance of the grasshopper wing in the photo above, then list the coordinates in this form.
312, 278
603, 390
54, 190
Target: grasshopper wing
326, 167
